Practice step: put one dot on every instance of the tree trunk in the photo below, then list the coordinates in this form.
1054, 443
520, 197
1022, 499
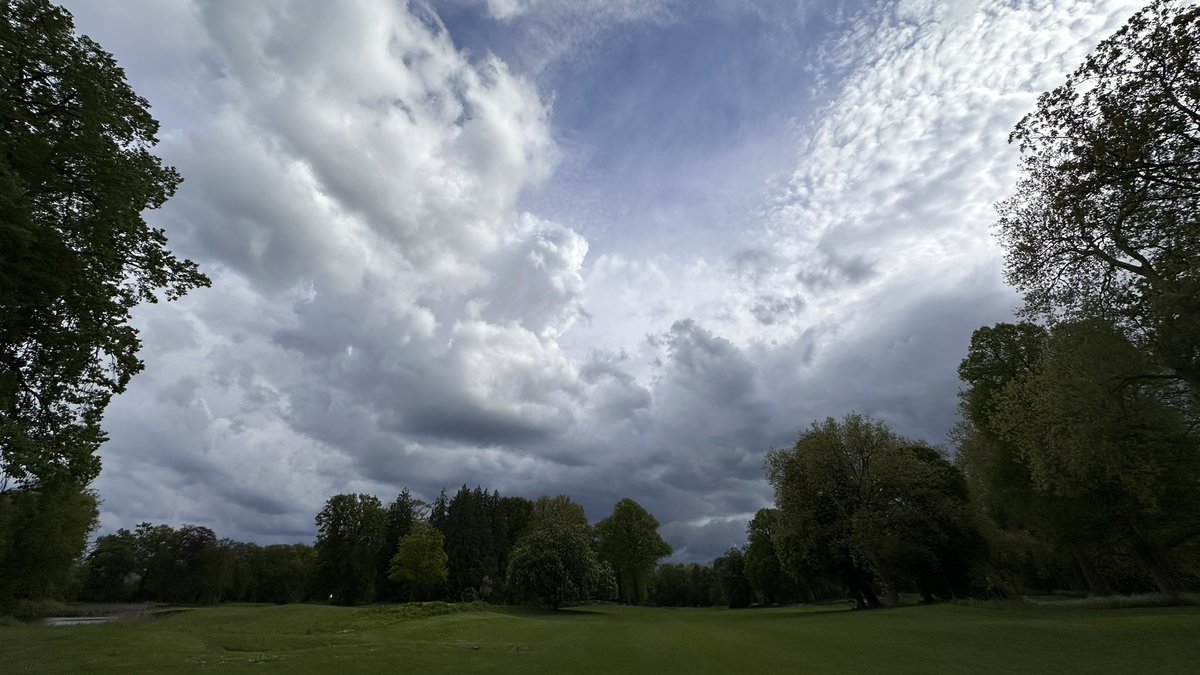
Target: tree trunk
1159, 566
863, 593
1087, 565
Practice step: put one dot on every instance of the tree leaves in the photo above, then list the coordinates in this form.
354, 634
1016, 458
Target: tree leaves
76, 255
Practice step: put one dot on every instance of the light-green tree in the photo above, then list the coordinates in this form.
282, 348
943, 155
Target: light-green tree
629, 541
1024, 525
560, 509
420, 562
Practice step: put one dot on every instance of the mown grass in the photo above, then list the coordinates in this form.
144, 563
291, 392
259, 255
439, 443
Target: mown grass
610, 639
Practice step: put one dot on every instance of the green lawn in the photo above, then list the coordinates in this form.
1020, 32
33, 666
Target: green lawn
319, 639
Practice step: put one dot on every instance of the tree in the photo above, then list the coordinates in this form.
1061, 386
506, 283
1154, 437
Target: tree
283, 573
731, 571
629, 541
76, 256
195, 574
859, 503
1098, 435
476, 540
43, 531
402, 514
420, 561
554, 563
686, 586
1024, 525
111, 567
1106, 215
560, 509
156, 547
762, 568
350, 532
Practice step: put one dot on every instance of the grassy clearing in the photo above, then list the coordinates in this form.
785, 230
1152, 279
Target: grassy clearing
445, 638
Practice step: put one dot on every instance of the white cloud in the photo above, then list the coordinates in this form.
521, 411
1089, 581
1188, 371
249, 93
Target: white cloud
383, 313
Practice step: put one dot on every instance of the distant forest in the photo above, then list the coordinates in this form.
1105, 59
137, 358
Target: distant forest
1075, 464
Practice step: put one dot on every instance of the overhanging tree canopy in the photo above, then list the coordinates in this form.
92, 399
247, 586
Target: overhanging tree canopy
1106, 218
76, 173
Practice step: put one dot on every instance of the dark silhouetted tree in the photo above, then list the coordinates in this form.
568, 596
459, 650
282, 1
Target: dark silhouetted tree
43, 531
350, 533
731, 571
76, 173
1105, 217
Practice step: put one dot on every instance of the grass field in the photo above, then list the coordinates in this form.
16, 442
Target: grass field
602, 638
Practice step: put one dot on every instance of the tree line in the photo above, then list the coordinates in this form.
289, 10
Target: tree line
473, 546
1075, 463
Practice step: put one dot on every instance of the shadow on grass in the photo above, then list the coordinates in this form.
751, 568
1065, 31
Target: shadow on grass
578, 612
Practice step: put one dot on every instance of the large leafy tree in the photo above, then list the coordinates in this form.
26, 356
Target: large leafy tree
763, 570
111, 568
629, 541
559, 508
42, 532
860, 504
554, 562
1096, 434
998, 475
350, 534
76, 255
1106, 217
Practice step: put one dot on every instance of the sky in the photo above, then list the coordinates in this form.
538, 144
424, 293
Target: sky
602, 248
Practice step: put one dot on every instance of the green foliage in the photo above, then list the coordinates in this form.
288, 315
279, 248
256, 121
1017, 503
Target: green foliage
43, 532
404, 511
420, 562
687, 586
76, 173
731, 571
629, 541
477, 539
762, 568
1104, 220
350, 534
163, 564
558, 509
1108, 444
112, 567
283, 573
857, 503
554, 563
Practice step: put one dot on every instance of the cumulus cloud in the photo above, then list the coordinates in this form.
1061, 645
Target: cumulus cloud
390, 306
